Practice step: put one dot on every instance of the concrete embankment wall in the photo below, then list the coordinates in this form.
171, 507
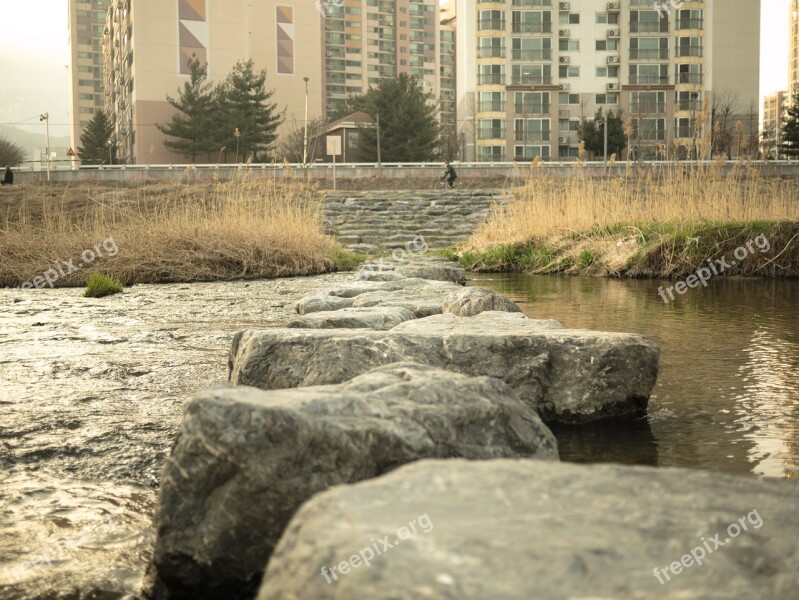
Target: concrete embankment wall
513, 172
380, 222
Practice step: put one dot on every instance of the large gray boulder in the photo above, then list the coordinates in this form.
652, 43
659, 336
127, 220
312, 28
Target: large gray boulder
380, 318
518, 529
567, 376
422, 302
471, 301
245, 460
350, 295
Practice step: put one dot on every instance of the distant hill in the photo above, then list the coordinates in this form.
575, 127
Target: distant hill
30, 141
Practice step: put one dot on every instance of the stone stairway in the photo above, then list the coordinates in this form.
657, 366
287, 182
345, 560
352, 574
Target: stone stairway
378, 222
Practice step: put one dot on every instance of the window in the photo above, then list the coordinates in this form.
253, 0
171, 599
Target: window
531, 48
688, 101
491, 101
491, 129
491, 153
689, 46
531, 103
565, 98
648, 21
491, 75
530, 152
528, 21
531, 74
491, 47
607, 98
690, 19
531, 130
683, 127
607, 45
568, 71
569, 19
569, 45
649, 74
607, 18
689, 73
647, 103
649, 48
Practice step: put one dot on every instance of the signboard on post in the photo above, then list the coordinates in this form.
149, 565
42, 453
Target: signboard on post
334, 150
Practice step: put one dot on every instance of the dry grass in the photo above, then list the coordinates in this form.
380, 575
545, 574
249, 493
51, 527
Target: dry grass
666, 199
247, 228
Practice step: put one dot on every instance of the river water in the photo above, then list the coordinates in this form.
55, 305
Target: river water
91, 394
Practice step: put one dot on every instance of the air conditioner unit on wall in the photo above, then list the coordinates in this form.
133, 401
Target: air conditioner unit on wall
563, 140
613, 59
564, 33
564, 86
564, 59
613, 86
612, 33
564, 6
613, 6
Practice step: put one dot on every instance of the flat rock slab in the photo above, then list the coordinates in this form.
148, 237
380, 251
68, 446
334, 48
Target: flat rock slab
379, 318
472, 301
245, 460
346, 296
518, 529
567, 376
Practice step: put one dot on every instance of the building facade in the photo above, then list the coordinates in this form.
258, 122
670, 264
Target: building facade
86, 25
367, 41
147, 44
793, 65
530, 70
774, 106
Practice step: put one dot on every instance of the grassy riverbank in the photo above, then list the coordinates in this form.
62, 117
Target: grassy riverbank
159, 233
659, 224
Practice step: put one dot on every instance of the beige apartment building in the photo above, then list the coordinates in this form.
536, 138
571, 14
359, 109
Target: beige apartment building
529, 70
86, 25
794, 57
774, 106
148, 43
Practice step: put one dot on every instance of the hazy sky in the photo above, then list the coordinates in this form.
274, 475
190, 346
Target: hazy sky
34, 57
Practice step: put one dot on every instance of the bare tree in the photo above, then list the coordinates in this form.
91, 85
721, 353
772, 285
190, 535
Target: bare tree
291, 144
721, 114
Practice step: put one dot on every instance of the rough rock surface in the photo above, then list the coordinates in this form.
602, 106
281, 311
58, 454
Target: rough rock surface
514, 529
364, 293
567, 376
245, 460
380, 318
472, 301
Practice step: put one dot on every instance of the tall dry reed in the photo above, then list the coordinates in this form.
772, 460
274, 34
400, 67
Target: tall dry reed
547, 206
181, 232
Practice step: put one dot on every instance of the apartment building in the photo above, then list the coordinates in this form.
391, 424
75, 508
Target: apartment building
147, 44
367, 41
774, 107
529, 70
794, 57
86, 24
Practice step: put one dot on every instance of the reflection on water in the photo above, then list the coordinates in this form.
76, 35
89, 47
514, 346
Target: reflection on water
727, 398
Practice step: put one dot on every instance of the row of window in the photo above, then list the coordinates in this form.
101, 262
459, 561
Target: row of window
640, 20
539, 102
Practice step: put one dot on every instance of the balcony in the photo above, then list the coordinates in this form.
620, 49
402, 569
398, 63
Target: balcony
491, 24
649, 54
661, 26
531, 136
689, 105
689, 51
491, 52
648, 108
491, 133
689, 78
531, 54
531, 80
532, 27
531, 3
690, 24
648, 80
491, 79
491, 106
542, 108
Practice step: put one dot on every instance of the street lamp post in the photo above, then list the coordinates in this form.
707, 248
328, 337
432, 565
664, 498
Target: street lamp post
46, 118
305, 136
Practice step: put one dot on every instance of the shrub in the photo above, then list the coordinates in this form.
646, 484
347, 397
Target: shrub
100, 285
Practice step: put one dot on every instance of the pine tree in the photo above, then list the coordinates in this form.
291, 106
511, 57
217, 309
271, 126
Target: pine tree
247, 120
96, 147
409, 130
192, 126
590, 131
790, 130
